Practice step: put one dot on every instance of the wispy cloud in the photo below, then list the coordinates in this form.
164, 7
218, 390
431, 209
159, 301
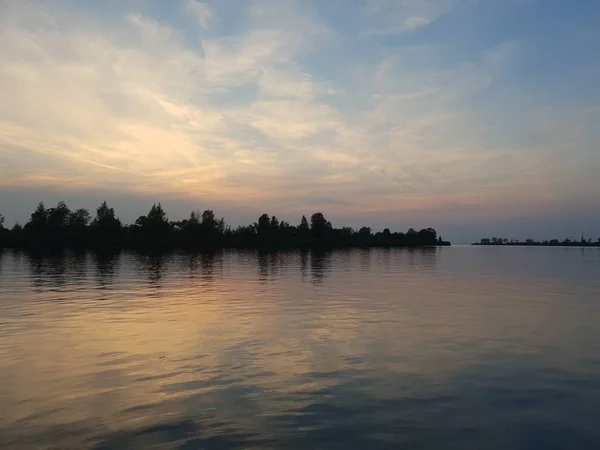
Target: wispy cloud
200, 11
396, 17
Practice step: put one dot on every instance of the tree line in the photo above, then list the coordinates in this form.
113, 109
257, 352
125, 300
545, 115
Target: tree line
61, 227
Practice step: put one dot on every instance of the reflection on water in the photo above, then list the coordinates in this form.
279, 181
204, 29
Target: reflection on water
107, 264
320, 266
454, 348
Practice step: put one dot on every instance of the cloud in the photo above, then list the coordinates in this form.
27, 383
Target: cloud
148, 116
274, 82
396, 17
414, 22
200, 12
406, 26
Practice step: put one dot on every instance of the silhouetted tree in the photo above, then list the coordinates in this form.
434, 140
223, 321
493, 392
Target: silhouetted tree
105, 219
274, 225
319, 227
208, 218
210, 225
427, 237
244, 236
79, 219
303, 229
364, 236
412, 237
288, 235
39, 219
263, 225
194, 221
58, 217
365, 231
155, 222
221, 226
5, 236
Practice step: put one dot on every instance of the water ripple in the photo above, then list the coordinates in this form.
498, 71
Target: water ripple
453, 348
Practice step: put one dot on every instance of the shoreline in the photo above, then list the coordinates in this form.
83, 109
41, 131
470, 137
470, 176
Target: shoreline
540, 244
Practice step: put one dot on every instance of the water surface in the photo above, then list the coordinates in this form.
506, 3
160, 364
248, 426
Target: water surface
449, 348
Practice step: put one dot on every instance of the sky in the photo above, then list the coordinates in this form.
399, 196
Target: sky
475, 117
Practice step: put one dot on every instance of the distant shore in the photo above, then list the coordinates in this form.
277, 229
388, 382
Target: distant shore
553, 243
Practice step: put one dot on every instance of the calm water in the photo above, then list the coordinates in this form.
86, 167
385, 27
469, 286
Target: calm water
451, 348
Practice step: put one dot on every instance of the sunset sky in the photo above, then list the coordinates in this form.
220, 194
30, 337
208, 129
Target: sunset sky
475, 117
